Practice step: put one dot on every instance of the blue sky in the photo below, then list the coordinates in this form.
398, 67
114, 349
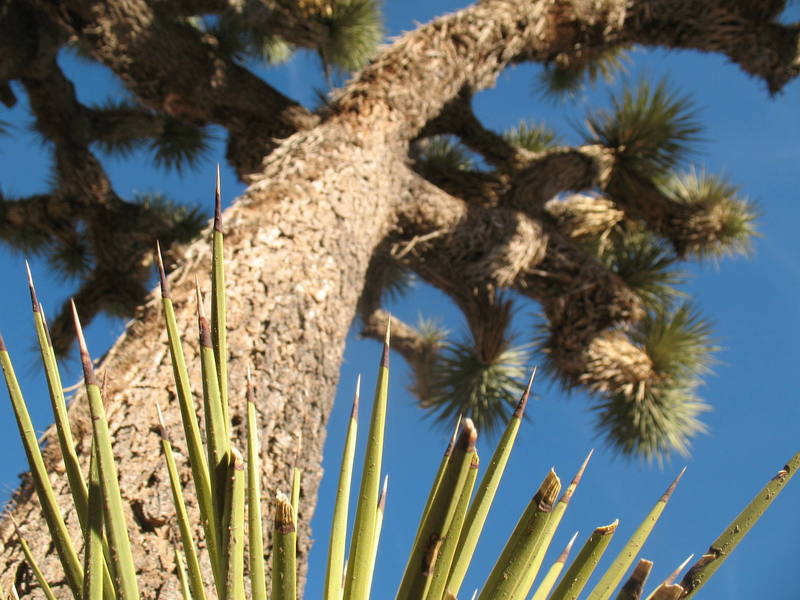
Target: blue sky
753, 428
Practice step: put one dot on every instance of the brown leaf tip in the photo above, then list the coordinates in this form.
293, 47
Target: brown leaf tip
205, 332
669, 592
672, 486
354, 411
218, 205
469, 437
386, 343
284, 515
202, 321
162, 275
31, 288
607, 529
548, 492
523, 401
162, 428
238, 460
636, 581
86, 361
577, 479
251, 396
3, 347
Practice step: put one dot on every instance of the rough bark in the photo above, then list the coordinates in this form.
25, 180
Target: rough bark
288, 323
301, 239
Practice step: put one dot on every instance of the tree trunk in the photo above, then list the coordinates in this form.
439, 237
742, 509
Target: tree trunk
297, 253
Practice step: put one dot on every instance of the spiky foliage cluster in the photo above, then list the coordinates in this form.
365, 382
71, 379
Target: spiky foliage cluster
345, 33
568, 73
723, 223
125, 127
465, 383
651, 128
442, 154
354, 29
228, 488
479, 376
645, 265
535, 137
662, 413
241, 35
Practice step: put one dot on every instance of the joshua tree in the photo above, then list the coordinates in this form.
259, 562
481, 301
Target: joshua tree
382, 179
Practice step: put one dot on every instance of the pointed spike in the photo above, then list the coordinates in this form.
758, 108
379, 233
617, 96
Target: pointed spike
382, 499
354, 412
562, 558
385, 357
162, 275
672, 486
454, 437
46, 328
202, 321
201, 312
218, 205
523, 401
674, 575
86, 361
579, 474
567, 496
162, 428
31, 288
251, 397
2, 344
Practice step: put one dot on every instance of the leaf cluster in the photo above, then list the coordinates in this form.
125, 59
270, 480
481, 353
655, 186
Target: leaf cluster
651, 129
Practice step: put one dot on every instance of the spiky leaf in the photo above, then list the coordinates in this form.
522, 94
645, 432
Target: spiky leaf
354, 29
487, 392
651, 128
535, 137
646, 266
719, 221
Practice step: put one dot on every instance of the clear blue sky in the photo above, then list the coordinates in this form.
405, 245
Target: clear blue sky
754, 425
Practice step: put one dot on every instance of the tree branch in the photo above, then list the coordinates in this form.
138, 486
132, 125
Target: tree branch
458, 118
462, 249
83, 225
457, 246
173, 67
555, 171
744, 32
469, 48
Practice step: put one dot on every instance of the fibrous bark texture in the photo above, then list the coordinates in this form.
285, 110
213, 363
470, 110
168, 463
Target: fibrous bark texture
331, 192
